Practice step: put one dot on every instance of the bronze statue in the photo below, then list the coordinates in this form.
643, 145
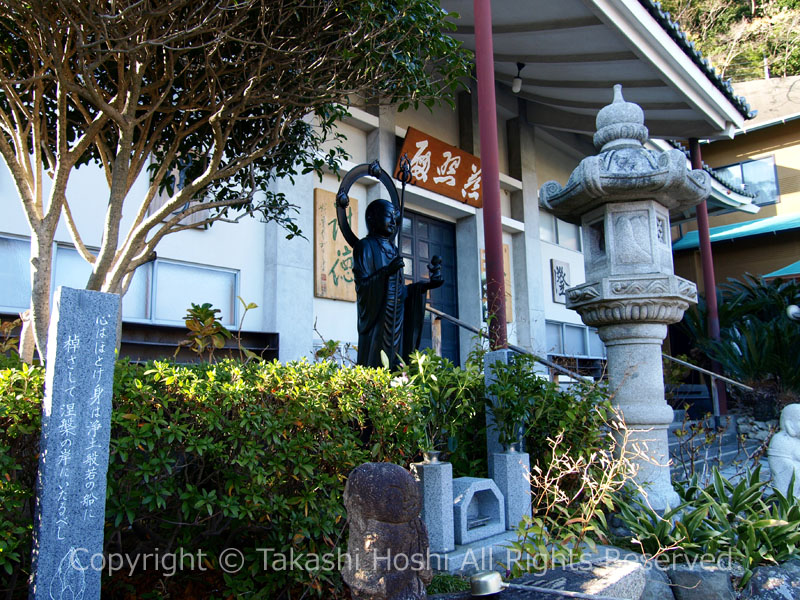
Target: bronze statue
390, 313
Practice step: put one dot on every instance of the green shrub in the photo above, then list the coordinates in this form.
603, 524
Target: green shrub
207, 457
758, 342
514, 389
20, 406
572, 490
450, 407
444, 583
723, 518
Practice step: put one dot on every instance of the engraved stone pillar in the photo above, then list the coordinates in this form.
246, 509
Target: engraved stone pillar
622, 198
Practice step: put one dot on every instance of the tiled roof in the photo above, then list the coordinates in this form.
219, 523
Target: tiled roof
673, 28
734, 187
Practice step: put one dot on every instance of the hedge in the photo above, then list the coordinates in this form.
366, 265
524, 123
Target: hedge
214, 456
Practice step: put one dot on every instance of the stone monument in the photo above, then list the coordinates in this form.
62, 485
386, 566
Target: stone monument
622, 198
73, 457
387, 552
784, 452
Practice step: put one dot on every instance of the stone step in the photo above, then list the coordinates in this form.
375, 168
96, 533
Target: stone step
723, 457
727, 438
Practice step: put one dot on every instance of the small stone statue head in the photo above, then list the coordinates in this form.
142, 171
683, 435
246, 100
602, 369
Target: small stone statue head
383, 491
382, 218
790, 420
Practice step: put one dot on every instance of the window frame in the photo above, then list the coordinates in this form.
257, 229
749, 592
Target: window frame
555, 221
26, 240
739, 164
586, 340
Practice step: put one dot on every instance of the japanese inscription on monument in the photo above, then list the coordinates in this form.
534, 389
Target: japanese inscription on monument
73, 458
442, 168
333, 257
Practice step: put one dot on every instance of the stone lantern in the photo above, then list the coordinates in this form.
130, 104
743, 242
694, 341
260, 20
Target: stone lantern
622, 198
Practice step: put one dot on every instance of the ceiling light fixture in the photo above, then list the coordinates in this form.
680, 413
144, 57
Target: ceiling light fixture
516, 85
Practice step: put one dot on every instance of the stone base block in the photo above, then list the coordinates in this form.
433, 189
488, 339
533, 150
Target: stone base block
511, 472
436, 484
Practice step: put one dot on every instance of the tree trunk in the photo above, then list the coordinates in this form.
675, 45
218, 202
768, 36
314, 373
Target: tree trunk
41, 273
27, 343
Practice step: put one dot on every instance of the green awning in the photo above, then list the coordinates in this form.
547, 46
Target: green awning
792, 270
731, 232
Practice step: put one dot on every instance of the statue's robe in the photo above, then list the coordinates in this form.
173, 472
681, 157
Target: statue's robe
390, 314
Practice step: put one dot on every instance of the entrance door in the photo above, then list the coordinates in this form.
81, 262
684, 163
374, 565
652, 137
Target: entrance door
421, 238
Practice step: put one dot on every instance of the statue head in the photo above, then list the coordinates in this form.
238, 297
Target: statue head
382, 218
384, 492
790, 420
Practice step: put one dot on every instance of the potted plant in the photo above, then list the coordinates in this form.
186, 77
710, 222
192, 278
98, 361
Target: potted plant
445, 399
512, 392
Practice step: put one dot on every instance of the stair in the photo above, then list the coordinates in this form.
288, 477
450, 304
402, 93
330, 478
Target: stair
710, 448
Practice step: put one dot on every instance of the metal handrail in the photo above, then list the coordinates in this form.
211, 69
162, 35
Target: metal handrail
707, 372
515, 348
714, 377
560, 369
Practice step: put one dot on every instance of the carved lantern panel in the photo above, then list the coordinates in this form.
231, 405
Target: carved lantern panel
627, 238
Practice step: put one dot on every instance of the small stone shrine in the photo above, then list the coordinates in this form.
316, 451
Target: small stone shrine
387, 552
73, 457
784, 452
622, 198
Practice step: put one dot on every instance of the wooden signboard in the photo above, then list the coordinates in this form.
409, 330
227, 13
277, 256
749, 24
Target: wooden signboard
333, 257
442, 168
506, 279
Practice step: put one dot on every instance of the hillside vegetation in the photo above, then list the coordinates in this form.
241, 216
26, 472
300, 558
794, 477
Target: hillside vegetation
744, 39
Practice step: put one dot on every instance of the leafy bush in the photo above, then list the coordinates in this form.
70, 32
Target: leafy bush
449, 403
444, 583
721, 518
579, 459
758, 342
215, 456
515, 387
20, 406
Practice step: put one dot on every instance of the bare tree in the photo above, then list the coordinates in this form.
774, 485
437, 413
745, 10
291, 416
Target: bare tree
223, 90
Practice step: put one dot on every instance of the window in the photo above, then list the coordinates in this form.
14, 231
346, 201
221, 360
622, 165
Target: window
568, 339
178, 285
556, 231
547, 227
758, 176
72, 271
160, 291
179, 177
15, 274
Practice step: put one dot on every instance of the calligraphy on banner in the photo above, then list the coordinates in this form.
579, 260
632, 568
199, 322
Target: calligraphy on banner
333, 257
442, 168
506, 280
